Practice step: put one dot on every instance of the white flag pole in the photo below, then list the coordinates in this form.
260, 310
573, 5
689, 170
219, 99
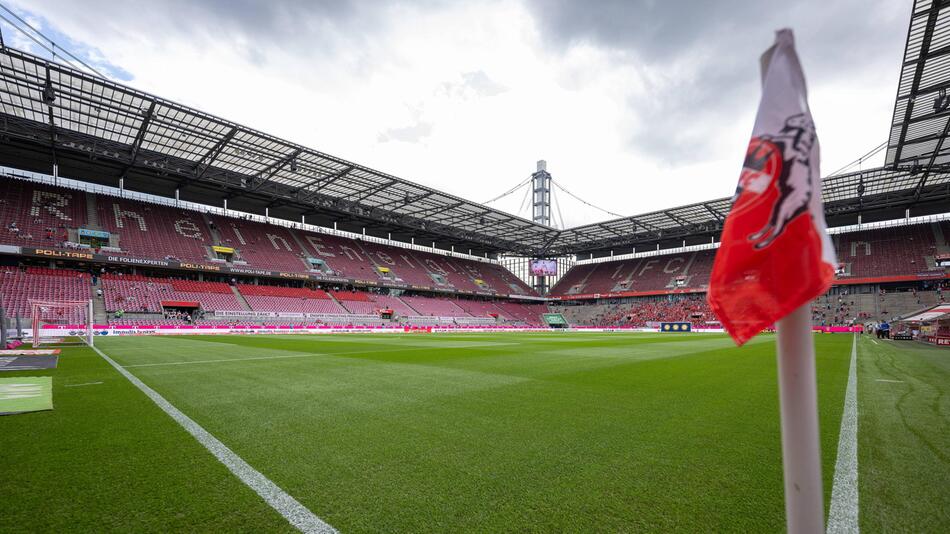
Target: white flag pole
798, 398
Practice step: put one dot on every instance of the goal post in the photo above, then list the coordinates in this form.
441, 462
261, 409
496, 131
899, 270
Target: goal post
61, 322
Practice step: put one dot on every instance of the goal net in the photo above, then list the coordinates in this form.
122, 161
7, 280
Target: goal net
61, 322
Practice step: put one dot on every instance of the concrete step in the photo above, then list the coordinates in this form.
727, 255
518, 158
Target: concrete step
941, 239
215, 235
92, 212
303, 247
240, 298
99, 315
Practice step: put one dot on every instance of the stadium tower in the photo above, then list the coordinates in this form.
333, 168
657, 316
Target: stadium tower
541, 211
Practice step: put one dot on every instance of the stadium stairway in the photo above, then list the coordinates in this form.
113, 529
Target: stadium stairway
99, 314
371, 257
582, 283
215, 234
300, 244
334, 299
939, 238
92, 212
900, 304
240, 298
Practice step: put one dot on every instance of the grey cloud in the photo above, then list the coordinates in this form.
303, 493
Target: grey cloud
299, 22
311, 27
837, 40
659, 30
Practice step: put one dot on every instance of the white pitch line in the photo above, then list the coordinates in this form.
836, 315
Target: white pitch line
843, 516
891, 381
83, 384
295, 513
875, 342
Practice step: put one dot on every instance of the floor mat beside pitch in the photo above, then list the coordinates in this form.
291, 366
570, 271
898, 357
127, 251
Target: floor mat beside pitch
26, 394
27, 363
28, 352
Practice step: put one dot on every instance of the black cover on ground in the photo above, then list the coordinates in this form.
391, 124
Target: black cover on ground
27, 363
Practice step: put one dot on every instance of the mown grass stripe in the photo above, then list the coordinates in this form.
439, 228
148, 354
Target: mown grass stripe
280, 357
295, 513
843, 516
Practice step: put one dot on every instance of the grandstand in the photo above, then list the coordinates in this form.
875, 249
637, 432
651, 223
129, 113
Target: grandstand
633, 290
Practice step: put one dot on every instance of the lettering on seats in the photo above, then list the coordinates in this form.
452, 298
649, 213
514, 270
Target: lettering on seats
237, 234
669, 269
434, 267
647, 266
121, 214
51, 202
473, 271
188, 228
385, 258
406, 259
349, 253
273, 241
856, 244
617, 272
318, 245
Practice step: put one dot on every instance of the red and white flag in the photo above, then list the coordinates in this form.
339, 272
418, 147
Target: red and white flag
775, 254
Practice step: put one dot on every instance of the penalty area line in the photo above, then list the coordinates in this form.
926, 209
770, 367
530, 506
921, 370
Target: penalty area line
295, 513
843, 516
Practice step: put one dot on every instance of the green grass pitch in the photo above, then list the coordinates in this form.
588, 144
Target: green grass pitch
548, 432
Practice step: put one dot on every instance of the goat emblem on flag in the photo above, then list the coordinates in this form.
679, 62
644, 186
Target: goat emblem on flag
781, 161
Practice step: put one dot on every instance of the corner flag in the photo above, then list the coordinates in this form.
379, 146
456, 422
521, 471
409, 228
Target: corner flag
775, 254
774, 258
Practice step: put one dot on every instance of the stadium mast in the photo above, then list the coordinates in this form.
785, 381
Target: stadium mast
541, 210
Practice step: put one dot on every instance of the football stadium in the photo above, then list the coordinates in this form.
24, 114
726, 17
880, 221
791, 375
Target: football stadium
210, 328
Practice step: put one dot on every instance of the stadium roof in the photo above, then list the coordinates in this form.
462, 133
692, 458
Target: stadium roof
71, 111
921, 122
844, 193
96, 129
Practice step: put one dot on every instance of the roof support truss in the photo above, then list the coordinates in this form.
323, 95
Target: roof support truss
208, 159
372, 191
325, 181
716, 214
50, 97
405, 201
428, 209
139, 136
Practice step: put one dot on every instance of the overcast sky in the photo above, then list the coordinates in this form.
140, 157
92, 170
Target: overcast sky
637, 105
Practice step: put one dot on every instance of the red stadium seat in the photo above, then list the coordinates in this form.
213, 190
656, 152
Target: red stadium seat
155, 231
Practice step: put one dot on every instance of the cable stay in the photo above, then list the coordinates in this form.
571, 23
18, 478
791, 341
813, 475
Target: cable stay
51, 48
582, 201
861, 159
508, 192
